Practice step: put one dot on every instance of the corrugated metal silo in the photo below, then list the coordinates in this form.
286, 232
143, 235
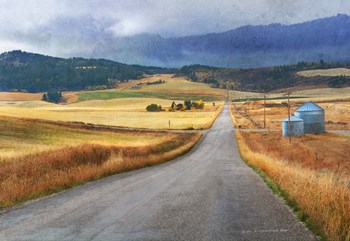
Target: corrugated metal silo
313, 117
296, 127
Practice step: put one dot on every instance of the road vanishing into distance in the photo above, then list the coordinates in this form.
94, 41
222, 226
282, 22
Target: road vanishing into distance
207, 194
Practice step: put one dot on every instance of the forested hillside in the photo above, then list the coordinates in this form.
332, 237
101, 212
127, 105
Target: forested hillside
269, 78
21, 71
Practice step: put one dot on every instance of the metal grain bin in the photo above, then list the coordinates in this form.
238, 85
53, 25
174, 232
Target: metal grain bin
296, 127
313, 117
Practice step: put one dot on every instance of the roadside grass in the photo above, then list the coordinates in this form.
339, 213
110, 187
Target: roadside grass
61, 157
319, 196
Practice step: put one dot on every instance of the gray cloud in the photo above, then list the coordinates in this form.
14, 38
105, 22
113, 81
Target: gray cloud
46, 25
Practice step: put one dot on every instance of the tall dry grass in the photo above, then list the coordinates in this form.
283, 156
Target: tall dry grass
324, 197
39, 174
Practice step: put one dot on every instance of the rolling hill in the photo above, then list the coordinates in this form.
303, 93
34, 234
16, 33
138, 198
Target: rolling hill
29, 72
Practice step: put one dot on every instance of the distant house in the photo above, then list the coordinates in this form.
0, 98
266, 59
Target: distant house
136, 87
179, 106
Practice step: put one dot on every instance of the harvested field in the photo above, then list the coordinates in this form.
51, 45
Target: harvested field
18, 96
121, 112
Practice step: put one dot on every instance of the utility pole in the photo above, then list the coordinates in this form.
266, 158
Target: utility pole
264, 110
228, 93
289, 126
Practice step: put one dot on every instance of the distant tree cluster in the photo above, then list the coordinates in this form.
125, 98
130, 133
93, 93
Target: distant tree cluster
339, 81
156, 82
187, 105
214, 83
52, 96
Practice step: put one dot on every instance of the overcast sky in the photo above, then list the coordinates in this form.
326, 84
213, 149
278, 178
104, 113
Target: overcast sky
24, 23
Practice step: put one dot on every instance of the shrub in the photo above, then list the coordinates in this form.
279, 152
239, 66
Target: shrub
52, 96
154, 108
198, 105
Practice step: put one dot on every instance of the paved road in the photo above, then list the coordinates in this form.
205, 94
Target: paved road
208, 194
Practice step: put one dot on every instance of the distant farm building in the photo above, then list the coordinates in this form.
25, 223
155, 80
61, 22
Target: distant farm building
308, 119
296, 127
179, 106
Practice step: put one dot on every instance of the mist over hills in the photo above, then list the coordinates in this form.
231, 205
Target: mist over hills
244, 47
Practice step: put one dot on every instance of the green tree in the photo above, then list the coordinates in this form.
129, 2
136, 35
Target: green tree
188, 104
154, 108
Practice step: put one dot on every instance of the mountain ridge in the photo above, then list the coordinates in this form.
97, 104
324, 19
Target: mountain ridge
244, 47
249, 46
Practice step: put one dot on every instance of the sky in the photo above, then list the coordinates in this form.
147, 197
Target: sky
43, 25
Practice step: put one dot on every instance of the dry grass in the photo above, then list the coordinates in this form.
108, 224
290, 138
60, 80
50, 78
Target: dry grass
56, 162
251, 114
22, 137
325, 72
321, 153
320, 190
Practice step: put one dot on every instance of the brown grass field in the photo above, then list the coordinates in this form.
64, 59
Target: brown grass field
40, 158
250, 115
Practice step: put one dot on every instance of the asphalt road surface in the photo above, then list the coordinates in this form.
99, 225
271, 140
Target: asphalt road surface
208, 194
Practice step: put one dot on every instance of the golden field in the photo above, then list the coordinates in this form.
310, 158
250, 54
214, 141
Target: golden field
325, 72
123, 107
129, 112
40, 158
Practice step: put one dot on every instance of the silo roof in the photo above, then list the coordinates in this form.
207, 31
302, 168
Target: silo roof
309, 106
293, 119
